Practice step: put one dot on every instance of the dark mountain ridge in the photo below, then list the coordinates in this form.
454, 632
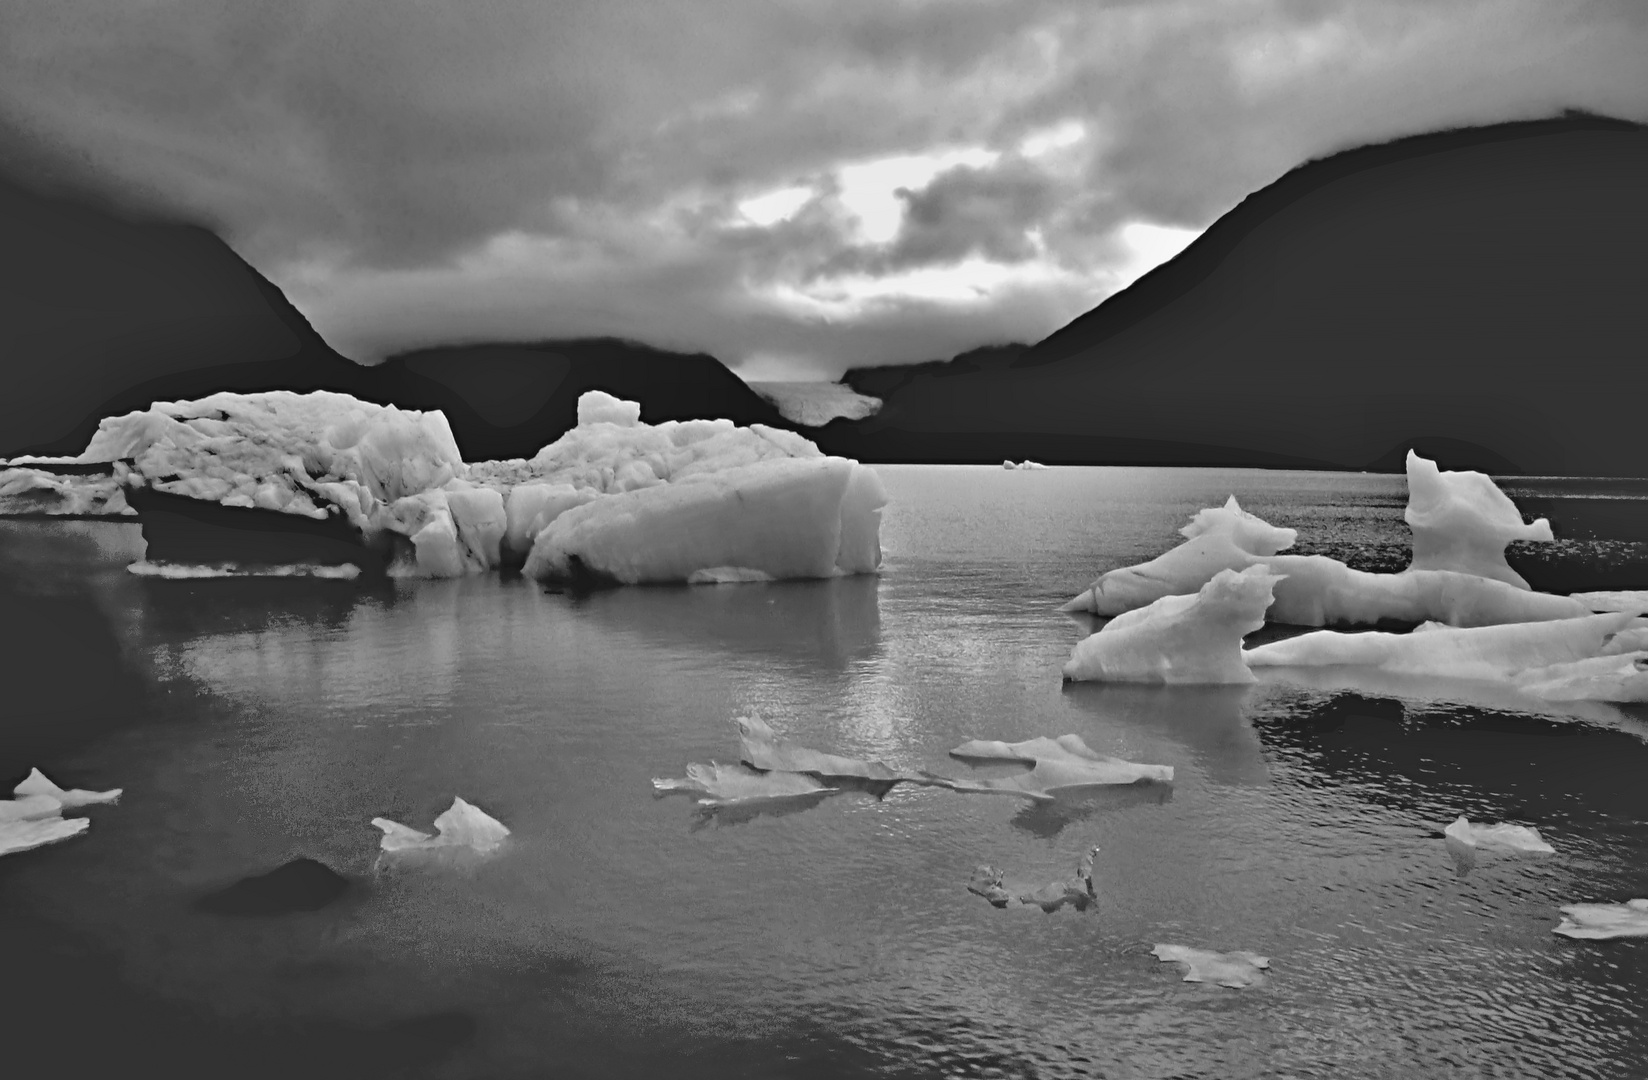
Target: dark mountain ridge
1474, 294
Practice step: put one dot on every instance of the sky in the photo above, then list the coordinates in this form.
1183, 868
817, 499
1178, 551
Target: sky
795, 186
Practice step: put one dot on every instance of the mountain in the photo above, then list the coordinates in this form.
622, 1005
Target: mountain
1476, 294
103, 312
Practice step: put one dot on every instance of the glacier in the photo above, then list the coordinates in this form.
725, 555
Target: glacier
613, 499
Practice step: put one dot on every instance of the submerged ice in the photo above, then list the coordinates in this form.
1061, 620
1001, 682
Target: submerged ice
615, 498
1232, 969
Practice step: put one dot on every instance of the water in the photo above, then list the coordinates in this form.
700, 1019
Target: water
621, 934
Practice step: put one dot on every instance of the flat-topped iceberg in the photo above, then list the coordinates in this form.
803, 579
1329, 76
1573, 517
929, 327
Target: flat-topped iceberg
614, 498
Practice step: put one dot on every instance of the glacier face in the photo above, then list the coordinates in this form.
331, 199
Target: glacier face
697, 500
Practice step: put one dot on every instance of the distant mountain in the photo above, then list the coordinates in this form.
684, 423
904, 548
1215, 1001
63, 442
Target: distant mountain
102, 313
1477, 294
507, 401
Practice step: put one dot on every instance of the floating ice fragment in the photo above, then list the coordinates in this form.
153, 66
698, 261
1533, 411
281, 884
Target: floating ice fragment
30, 808
21, 834
1497, 837
1062, 748
1054, 775
1180, 639
1616, 600
988, 882
1218, 538
763, 749
185, 571
1619, 677
37, 784
726, 785
1233, 969
1461, 521
1601, 921
460, 826
1483, 653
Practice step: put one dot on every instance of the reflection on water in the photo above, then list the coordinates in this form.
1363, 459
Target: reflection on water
622, 934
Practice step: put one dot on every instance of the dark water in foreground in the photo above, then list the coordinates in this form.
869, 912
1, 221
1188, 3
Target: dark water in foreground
627, 935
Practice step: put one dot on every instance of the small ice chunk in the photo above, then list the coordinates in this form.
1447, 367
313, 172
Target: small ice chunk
1233, 969
1180, 639
987, 881
37, 784
600, 407
462, 825
725, 785
1600, 921
1008, 464
1497, 837
1615, 600
1062, 748
1054, 775
34, 807
1462, 521
21, 834
763, 749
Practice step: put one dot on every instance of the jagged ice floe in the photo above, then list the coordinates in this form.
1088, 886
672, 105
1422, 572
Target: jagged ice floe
614, 498
462, 826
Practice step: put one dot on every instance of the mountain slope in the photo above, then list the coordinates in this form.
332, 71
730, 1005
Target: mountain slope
1475, 293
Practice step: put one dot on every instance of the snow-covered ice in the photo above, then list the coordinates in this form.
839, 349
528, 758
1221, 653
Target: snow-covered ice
990, 883
1602, 921
1232, 969
726, 785
1462, 521
1180, 639
1614, 600
36, 783
460, 826
697, 500
1501, 837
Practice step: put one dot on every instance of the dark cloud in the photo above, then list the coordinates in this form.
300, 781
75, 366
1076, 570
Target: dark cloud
369, 157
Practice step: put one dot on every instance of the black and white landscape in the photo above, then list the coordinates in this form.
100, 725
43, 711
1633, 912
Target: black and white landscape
922, 539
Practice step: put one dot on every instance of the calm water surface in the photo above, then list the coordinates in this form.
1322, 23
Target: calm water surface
625, 934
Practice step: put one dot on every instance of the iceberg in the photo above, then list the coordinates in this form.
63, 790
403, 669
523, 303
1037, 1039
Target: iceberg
727, 785
1039, 749
36, 807
1602, 921
1051, 776
28, 492
763, 749
36, 784
1617, 600
614, 497
1461, 521
1484, 653
1180, 639
987, 881
1233, 969
1216, 539
1497, 837
460, 826
23, 834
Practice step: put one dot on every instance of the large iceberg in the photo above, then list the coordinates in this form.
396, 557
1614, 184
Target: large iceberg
614, 498
1461, 523
1180, 639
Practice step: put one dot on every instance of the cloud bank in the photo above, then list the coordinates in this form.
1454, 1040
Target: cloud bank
795, 186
